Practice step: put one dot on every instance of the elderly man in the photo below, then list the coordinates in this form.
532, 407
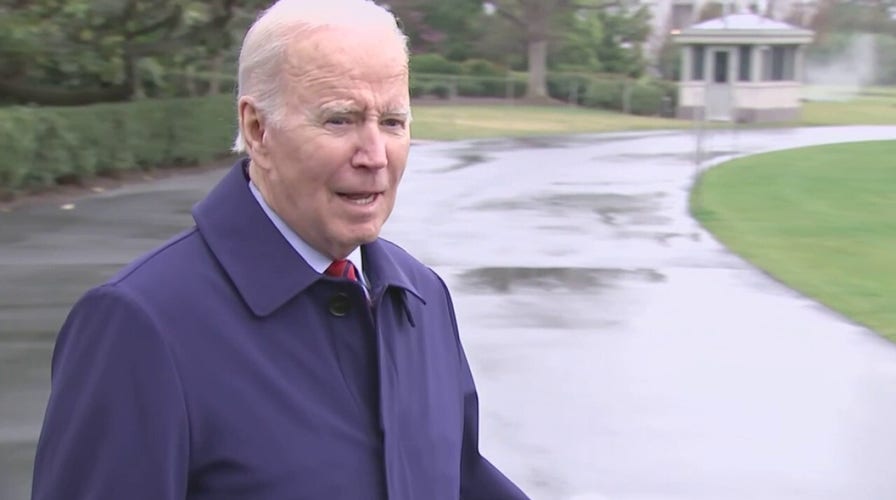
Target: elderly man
279, 349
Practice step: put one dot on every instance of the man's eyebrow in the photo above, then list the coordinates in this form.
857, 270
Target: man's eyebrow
339, 109
398, 112
352, 109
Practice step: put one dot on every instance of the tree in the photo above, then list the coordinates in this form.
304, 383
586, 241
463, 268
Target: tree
69, 52
541, 21
855, 16
439, 26
535, 19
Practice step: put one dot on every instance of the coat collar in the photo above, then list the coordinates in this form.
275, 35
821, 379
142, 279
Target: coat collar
264, 268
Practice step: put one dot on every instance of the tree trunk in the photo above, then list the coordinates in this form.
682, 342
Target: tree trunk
190, 80
538, 62
214, 81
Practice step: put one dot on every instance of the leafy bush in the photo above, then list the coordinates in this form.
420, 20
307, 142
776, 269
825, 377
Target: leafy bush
568, 88
434, 64
605, 94
481, 67
518, 87
416, 88
467, 87
441, 90
492, 78
47, 146
645, 99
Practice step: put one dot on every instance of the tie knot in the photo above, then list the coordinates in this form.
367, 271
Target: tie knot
342, 268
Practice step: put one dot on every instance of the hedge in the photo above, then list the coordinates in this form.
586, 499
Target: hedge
53, 145
434, 75
649, 98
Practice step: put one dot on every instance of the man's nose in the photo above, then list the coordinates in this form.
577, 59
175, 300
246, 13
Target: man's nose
371, 151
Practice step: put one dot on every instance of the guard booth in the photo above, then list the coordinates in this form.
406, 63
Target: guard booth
743, 68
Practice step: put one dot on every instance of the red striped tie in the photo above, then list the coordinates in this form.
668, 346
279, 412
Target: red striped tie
342, 268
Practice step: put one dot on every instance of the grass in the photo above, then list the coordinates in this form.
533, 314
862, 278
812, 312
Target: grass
442, 122
819, 219
861, 110
871, 106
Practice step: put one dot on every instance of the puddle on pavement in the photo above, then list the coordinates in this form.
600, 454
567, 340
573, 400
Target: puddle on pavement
517, 143
640, 209
465, 160
686, 157
664, 238
556, 142
568, 279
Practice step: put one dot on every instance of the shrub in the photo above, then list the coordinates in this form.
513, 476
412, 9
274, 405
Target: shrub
416, 88
468, 87
434, 64
46, 146
441, 90
645, 99
481, 67
568, 88
605, 94
489, 79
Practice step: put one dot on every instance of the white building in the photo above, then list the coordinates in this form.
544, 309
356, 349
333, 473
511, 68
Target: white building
669, 17
743, 68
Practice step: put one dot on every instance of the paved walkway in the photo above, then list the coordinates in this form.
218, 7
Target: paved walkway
620, 351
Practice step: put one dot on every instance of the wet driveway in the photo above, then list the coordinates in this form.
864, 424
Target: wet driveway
620, 351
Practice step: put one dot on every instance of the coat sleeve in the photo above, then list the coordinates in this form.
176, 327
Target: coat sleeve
116, 423
479, 479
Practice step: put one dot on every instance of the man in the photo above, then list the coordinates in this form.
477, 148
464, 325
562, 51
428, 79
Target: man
279, 349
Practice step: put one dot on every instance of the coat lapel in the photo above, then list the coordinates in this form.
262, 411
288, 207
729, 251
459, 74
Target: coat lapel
264, 268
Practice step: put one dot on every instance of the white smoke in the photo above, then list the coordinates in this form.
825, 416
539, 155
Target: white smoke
842, 78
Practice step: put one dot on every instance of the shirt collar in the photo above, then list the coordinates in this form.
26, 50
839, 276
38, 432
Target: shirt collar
318, 261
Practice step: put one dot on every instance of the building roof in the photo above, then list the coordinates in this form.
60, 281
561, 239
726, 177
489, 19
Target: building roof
744, 29
751, 22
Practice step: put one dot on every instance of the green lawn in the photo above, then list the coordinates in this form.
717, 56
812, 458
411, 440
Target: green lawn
861, 110
849, 106
873, 106
820, 219
453, 122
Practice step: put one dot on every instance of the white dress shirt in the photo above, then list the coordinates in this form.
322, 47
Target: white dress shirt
318, 261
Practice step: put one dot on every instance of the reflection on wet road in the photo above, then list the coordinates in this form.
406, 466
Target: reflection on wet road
620, 352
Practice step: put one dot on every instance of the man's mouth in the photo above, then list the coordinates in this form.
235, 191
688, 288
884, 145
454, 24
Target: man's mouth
359, 198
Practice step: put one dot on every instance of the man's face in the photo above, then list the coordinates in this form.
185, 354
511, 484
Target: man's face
333, 166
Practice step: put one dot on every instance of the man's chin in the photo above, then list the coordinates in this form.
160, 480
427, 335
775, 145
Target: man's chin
362, 237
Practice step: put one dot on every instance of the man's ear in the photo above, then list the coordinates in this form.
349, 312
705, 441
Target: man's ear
253, 127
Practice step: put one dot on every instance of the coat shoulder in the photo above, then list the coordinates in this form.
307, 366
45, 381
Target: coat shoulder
168, 269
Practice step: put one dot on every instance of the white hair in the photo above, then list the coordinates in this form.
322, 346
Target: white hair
264, 47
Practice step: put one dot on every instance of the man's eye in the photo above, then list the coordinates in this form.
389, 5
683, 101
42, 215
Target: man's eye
393, 123
339, 120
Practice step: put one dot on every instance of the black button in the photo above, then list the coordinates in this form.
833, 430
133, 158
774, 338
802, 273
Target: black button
339, 305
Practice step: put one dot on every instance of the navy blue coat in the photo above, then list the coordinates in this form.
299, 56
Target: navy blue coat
221, 366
